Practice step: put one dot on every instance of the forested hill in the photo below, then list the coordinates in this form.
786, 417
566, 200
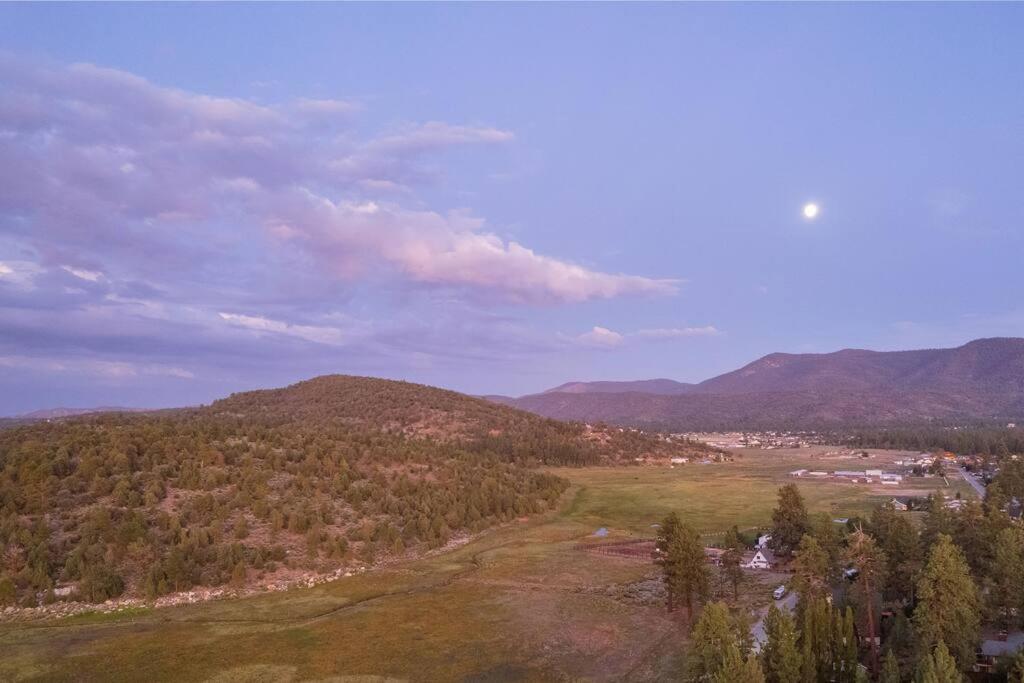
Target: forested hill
265, 485
378, 404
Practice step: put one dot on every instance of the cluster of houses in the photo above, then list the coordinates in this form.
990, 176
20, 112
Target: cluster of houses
764, 440
868, 476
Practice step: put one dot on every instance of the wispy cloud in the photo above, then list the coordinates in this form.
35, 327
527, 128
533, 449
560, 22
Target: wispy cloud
678, 332
97, 368
107, 161
602, 337
320, 335
83, 274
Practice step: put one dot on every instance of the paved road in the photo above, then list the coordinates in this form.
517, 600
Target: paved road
786, 604
975, 484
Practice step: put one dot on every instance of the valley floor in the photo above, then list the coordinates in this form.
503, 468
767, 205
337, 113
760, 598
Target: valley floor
520, 603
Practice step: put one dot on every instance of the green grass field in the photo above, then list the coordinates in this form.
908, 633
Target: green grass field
518, 603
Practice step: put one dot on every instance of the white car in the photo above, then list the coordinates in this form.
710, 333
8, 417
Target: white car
779, 593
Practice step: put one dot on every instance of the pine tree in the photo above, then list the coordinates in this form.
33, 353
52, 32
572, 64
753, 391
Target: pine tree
810, 567
780, 657
712, 636
687, 576
844, 644
900, 541
926, 670
869, 561
946, 670
736, 669
789, 520
829, 536
938, 520
816, 641
731, 559
890, 668
668, 537
1007, 590
948, 609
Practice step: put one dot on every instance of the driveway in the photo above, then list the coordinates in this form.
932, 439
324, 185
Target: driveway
786, 604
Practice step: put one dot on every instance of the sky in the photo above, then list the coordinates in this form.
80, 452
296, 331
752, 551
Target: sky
495, 198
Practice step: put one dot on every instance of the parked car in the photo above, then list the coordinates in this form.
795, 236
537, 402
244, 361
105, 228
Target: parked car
779, 593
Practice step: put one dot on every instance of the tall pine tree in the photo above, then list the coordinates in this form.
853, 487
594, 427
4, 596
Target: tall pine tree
945, 666
789, 520
1006, 593
712, 637
867, 558
948, 608
736, 669
810, 571
731, 559
780, 657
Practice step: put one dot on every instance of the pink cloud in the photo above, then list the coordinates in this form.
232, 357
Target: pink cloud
117, 162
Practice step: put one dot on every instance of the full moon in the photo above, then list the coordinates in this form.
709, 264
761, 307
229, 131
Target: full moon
810, 210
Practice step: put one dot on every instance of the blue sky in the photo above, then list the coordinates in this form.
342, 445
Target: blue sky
200, 199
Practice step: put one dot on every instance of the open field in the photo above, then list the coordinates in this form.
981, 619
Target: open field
519, 603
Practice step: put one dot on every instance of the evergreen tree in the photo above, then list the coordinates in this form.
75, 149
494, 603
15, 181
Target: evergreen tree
789, 521
926, 670
890, 668
1007, 589
867, 558
974, 533
736, 669
946, 670
810, 567
901, 543
844, 647
780, 657
938, 520
816, 642
687, 576
829, 536
668, 537
731, 560
712, 637
948, 609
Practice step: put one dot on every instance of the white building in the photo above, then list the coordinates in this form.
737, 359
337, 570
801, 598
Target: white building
761, 559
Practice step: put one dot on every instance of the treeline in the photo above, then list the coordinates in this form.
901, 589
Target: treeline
908, 601
996, 441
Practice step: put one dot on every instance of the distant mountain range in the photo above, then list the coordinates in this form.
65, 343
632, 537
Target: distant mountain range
981, 380
54, 413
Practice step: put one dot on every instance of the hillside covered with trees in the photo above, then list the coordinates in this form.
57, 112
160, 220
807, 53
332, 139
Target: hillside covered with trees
312, 477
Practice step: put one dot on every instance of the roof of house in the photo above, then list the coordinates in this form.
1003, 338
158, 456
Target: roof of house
1002, 648
765, 553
